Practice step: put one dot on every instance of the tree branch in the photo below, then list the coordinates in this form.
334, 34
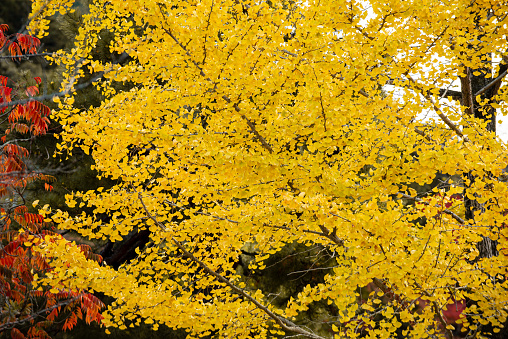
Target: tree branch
447, 211
495, 81
467, 92
438, 110
285, 324
66, 91
9, 325
226, 98
23, 56
437, 310
444, 92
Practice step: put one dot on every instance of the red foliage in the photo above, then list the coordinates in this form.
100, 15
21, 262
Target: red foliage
22, 308
17, 44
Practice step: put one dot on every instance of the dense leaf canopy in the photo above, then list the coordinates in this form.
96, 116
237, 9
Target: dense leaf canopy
269, 123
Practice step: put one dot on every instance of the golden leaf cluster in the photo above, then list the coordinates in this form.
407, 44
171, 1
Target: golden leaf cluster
295, 121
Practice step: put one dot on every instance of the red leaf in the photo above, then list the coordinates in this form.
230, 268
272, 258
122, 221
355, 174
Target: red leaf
70, 322
5, 93
15, 50
28, 43
3, 80
32, 90
38, 80
3, 39
16, 334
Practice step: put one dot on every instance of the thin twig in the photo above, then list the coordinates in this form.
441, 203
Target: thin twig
22, 56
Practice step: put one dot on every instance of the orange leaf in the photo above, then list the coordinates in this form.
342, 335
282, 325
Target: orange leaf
32, 90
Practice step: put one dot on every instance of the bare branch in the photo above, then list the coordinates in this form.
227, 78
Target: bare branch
445, 92
23, 56
290, 53
495, 81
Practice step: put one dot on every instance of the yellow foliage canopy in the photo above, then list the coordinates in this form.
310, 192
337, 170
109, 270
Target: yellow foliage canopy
278, 122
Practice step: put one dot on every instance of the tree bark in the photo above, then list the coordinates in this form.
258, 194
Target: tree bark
474, 81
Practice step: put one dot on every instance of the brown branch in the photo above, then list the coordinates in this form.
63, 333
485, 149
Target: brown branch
438, 110
226, 98
495, 81
332, 235
437, 310
444, 92
422, 133
467, 92
256, 133
447, 211
285, 324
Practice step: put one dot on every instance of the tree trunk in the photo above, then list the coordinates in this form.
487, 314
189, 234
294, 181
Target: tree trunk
474, 81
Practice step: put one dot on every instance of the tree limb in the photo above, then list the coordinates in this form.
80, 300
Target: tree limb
447, 211
492, 83
285, 324
437, 310
66, 91
438, 110
467, 92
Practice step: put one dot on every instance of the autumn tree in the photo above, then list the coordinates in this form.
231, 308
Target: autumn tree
26, 311
261, 124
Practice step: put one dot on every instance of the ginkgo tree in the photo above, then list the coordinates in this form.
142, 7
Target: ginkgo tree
268, 123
